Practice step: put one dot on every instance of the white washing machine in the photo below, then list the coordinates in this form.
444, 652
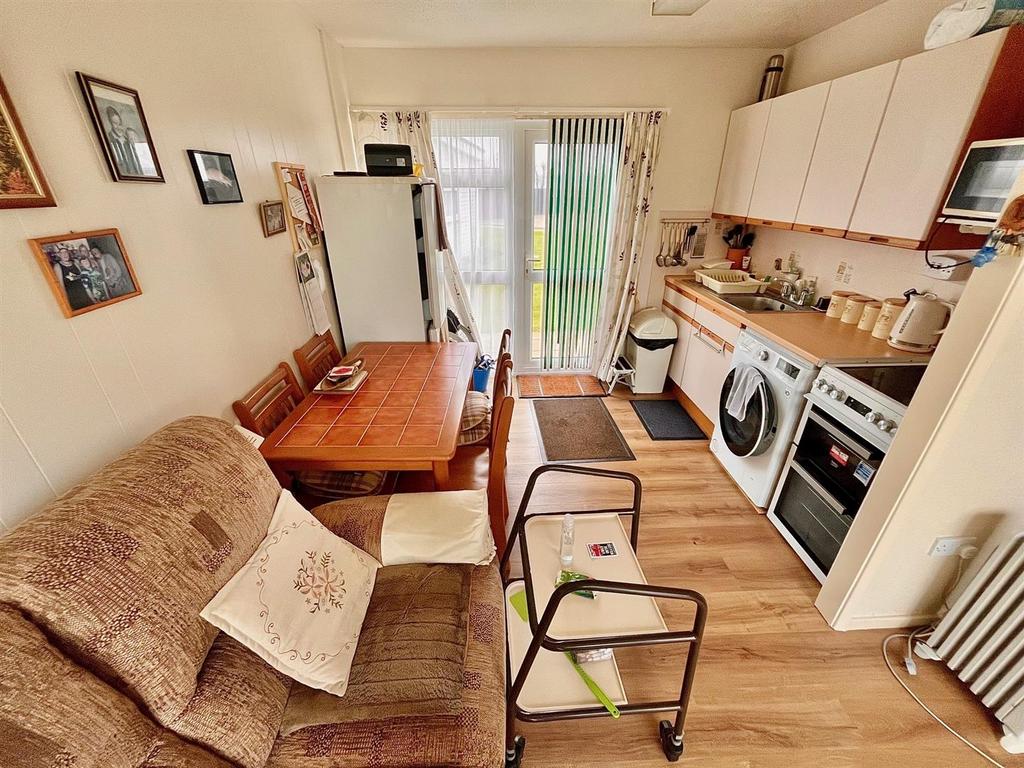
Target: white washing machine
753, 450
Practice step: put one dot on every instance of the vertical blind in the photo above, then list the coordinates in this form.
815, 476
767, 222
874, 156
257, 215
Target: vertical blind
584, 163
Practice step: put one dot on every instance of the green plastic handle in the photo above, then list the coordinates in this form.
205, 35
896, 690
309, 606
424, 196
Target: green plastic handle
594, 687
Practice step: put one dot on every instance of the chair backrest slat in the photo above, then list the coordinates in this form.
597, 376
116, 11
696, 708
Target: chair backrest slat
501, 424
270, 402
315, 359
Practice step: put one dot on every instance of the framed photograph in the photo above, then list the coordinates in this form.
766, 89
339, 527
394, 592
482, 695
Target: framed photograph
272, 217
122, 129
215, 177
86, 270
301, 214
22, 184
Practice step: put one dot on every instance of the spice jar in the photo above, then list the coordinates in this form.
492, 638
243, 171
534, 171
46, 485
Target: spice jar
869, 316
854, 309
891, 309
838, 303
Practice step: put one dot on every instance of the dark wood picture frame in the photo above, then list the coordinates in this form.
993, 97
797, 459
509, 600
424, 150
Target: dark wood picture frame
87, 83
41, 197
47, 265
265, 206
197, 171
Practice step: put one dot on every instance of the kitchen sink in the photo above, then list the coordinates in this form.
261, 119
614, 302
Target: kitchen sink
764, 304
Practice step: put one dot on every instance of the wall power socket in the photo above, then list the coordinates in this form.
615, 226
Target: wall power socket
947, 546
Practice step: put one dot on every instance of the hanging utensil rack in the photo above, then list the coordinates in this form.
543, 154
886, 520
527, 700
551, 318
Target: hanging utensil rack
684, 236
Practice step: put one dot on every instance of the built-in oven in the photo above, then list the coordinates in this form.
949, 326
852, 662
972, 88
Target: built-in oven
828, 474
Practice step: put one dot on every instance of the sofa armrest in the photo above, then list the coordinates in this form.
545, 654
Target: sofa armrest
359, 521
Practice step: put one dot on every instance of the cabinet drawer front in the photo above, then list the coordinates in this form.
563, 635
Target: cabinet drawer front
680, 301
719, 326
708, 360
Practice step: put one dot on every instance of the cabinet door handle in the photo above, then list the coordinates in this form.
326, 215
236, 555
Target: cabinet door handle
708, 343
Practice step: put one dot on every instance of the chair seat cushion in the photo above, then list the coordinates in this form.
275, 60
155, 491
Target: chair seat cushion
238, 705
476, 419
339, 485
428, 683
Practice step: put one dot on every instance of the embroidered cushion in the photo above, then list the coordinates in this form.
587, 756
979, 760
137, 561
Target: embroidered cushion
299, 602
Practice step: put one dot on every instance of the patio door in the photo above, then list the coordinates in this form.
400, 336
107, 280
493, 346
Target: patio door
532, 203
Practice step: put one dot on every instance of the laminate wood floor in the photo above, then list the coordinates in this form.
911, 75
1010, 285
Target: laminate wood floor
776, 687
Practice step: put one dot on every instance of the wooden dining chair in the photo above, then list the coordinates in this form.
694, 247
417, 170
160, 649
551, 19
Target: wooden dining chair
267, 405
478, 410
316, 357
501, 426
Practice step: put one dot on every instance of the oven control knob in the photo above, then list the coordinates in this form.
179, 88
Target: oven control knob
763, 355
821, 384
837, 394
885, 425
873, 417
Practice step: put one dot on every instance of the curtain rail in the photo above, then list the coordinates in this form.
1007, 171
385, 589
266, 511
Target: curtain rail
520, 112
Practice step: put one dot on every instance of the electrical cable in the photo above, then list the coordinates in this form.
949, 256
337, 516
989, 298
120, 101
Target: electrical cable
927, 245
915, 697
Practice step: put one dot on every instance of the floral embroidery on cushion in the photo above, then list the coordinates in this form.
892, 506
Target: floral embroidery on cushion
321, 582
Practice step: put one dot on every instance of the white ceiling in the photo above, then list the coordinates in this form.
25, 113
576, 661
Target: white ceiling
478, 23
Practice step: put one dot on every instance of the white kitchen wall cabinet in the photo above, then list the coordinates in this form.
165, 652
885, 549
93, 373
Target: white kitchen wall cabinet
786, 154
849, 127
930, 110
739, 162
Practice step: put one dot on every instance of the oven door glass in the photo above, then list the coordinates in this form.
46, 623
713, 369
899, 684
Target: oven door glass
843, 463
753, 434
816, 519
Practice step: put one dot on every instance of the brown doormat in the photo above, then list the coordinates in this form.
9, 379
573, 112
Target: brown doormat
559, 385
579, 429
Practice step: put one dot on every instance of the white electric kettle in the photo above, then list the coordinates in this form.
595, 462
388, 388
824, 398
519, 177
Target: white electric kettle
921, 322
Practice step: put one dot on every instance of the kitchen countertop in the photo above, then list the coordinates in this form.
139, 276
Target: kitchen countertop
822, 340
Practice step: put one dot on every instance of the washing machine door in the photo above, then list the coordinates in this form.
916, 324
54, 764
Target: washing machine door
755, 432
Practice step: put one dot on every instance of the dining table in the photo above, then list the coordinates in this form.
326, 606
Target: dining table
405, 416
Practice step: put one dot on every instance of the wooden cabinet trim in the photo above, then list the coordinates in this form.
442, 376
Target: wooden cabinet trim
770, 223
894, 242
813, 230
681, 314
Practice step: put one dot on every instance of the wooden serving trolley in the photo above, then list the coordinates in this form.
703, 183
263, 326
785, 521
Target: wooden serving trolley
542, 684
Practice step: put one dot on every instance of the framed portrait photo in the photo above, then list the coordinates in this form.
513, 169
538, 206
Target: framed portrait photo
272, 217
86, 270
215, 177
22, 184
121, 127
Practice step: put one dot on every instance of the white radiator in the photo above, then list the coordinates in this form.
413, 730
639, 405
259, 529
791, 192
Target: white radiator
982, 638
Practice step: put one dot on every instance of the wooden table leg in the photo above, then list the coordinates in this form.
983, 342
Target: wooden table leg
441, 475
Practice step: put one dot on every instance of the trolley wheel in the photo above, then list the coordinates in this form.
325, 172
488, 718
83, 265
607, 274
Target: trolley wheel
514, 756
673, 750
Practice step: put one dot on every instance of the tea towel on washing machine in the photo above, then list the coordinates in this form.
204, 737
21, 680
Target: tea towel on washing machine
744, 385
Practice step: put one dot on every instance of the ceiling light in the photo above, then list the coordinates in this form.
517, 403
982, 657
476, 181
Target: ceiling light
676, 7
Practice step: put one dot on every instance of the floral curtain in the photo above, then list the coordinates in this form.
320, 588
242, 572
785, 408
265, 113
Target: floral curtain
640, 147
412, 127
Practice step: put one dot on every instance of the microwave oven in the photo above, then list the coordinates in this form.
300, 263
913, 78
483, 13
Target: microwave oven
985, 179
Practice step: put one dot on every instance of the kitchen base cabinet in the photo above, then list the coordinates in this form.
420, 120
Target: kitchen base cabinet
708, 360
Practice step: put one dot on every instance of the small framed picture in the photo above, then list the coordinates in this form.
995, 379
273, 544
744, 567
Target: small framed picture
215, 176
272, 217
86, 270
121, 127
22, 184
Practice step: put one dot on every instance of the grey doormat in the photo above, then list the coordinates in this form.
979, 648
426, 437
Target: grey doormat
578, 429
666, 420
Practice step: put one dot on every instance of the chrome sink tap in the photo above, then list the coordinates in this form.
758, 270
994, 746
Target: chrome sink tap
788, 286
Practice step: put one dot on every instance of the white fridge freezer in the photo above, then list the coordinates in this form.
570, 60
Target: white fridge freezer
382, 237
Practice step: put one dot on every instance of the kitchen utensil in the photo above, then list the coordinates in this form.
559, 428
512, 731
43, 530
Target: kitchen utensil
891, 309
838, 303
921, 322
595, 689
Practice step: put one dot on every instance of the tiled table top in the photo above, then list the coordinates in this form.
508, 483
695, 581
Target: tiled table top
408, 411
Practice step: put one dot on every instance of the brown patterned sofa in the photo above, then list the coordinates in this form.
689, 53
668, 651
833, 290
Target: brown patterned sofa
106, 663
